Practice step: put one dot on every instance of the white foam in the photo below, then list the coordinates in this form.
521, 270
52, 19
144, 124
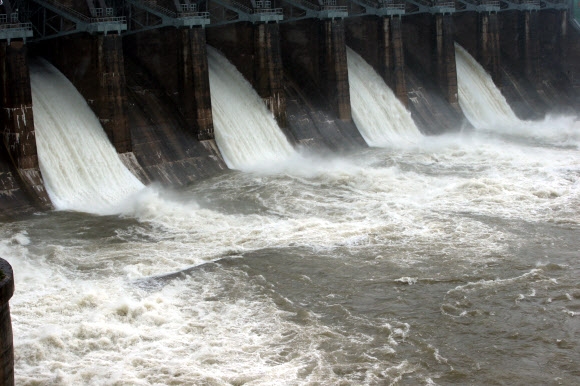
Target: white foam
245, 130
479, 98
380, 117
80, 167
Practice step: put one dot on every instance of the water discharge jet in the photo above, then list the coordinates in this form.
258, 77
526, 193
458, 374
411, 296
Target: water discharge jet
380, 117
81, 168
246, 132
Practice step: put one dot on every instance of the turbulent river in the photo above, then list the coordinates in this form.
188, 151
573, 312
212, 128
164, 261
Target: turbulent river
446, 260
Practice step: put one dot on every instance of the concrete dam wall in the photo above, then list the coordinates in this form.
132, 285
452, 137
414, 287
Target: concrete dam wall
143, 69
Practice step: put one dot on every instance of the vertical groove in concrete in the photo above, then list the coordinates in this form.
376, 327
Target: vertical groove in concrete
268, 72
392, 58
333, 67
444, 57
6, 338
528, 43
194, 83
488, 49
17, 120
111, 105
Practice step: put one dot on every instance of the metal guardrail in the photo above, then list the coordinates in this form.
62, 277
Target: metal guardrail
175, 15
268, 11
308, 5
84, 18
335, 8
241, 7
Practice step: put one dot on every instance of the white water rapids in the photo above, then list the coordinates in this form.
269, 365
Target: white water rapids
80, 167
479, 98
246, 132
380, 117
452, 261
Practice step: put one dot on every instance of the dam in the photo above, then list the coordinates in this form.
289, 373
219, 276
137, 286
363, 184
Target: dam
142, 67
291, 192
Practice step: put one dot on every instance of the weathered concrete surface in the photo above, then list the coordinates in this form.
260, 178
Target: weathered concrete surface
95, 65
379, 40
539, 63
165, 148
18, 134
6, 338
431, 73
15, 201
194, 83
177, 60
318, 97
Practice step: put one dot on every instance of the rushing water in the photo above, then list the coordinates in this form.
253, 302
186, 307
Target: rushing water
246, 132
77, 177
380, 117
479, 98
450, 261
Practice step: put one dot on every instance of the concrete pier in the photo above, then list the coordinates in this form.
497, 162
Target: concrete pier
333, 68
268, 72
443, 54
488, 48
193, 83
18, 134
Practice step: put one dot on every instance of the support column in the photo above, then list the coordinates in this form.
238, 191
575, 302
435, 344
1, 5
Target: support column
268, 72
194, 83
18, 132
391, 56
528, 43
6, 338
111, 106
333, 68
563, 16
488, 49
444, 57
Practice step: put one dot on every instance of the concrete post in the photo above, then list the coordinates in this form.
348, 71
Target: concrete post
111, 106
444, 57
194, 83
268, 71
18, 132
333, 67
488, 48
391, 56
528, 43
6, 338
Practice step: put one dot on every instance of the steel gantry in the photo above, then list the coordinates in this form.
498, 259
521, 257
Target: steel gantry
46, 19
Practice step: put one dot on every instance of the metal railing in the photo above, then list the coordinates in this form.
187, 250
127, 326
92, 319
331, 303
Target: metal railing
176, 15
82, 17
526, 2
308, 4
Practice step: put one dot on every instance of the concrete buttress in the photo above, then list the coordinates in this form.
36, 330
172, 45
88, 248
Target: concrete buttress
443, 54
194, 83
18, 131
268, 72
333, 68
111, 104
392, 60
488, 49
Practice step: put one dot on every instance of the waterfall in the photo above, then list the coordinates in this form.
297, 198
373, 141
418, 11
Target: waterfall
80, 167
246, 132
380, 117
479, 98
